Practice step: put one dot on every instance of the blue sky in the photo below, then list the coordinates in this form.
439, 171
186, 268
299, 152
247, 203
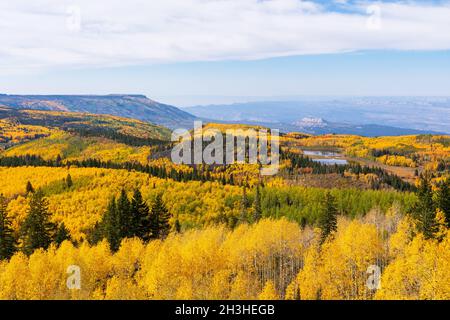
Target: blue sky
359, 73
206, 51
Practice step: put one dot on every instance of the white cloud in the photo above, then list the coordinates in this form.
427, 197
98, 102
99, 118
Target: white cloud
45, 33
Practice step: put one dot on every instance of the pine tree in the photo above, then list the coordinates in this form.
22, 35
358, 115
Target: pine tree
177, 226
160, 217
95, 234
140, 217
69, 182
303, 222
37, 231
328, 218
443, 200
110, 225
7, 240
124, 216
232, 222
424, 210
257, 206
62, 234
29, 188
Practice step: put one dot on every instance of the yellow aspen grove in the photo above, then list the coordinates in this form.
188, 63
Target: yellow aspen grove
401, 238
338, 269
421, 271
309, 280
271, 259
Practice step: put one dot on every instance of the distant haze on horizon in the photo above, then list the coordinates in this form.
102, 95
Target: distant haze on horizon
422, 113
186, 102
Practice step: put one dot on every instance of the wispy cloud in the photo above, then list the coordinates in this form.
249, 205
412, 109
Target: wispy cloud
46, 33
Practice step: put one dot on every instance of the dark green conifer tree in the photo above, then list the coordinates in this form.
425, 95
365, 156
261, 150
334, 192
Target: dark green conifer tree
328, 218
37, 231
62, 234
424, 209
7, 239
160, 218
69, 182
111, 227
177, 226
124, 216
232, 222
443, 199
95, 234
29, 188
140, 217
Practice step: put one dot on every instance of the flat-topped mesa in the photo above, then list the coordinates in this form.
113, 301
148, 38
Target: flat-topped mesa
141, 96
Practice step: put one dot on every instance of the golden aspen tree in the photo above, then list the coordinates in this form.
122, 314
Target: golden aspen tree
402, 237
14, 283
123, 288
269, 292
220, 285
308, 279
292, 291
243, 287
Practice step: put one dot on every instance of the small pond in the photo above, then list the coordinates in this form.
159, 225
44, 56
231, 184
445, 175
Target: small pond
331, 161
321, 153
327, 157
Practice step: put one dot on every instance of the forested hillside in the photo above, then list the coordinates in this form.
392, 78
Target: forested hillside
193, 203
89, 124
101, 193
130, 106
69, 136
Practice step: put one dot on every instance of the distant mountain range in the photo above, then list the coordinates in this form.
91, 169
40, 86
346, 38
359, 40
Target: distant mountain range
130, 106
361, 115
318, 126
